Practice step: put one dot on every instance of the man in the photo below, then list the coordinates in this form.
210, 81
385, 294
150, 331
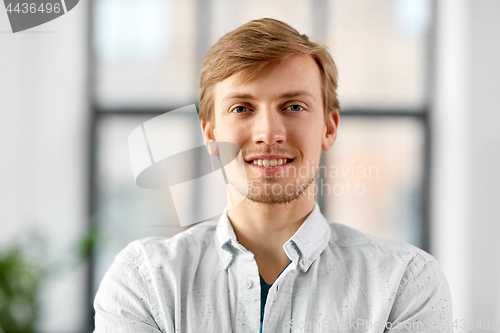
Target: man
272, 263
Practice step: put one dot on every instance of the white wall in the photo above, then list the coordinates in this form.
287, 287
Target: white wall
43, 138
466, 160
484, 162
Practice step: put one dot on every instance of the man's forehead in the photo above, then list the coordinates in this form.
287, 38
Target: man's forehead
294, 77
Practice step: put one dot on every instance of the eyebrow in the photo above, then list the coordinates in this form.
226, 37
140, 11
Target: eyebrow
289, 94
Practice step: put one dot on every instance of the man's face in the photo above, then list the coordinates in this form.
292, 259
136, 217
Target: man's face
277, 120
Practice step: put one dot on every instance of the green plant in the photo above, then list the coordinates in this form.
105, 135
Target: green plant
22, 269
19, 285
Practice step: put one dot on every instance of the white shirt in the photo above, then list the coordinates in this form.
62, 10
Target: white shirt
339, 280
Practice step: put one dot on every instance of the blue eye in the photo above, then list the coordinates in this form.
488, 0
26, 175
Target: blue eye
295, 107
239, 109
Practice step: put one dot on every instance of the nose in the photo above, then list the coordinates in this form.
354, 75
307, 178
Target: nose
268, 127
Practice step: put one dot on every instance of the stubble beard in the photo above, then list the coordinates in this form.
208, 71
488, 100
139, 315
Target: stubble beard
269, 191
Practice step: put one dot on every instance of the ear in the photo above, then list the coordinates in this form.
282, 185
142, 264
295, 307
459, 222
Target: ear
208, 130
330, 133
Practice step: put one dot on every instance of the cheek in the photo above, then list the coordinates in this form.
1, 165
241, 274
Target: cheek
308, 136
224, 133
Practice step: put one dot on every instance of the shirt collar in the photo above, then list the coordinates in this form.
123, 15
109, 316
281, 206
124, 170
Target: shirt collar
224, 237
303, 248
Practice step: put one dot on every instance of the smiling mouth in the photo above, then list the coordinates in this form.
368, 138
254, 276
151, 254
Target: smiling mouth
271, 162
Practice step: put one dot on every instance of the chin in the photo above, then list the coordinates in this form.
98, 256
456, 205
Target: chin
274, 192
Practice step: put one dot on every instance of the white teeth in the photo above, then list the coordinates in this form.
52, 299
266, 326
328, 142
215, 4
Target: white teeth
272, 163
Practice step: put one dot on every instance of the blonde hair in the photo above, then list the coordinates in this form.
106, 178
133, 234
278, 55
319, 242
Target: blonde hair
250, 48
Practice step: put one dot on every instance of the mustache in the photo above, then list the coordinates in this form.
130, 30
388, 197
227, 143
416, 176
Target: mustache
295, 153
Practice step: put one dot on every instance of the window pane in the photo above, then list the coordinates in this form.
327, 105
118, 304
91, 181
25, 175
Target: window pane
145, 52
380, 49
126, 212
229, 14
373, 178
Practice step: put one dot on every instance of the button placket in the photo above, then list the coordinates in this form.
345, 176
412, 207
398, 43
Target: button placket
248, 297
280, 294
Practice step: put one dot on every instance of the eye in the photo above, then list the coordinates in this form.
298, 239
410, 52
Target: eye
240, 109
294, 107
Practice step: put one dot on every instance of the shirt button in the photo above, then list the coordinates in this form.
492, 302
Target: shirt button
305, 262
248, 284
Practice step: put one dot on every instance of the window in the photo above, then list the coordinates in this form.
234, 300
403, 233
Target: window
147, 58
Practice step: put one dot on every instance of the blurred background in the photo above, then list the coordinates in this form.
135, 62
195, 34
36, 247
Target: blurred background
416, 159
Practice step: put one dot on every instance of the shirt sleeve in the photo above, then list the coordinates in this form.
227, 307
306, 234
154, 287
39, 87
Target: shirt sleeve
423, 301
122, 303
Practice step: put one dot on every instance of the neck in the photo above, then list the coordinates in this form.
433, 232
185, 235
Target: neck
263, 229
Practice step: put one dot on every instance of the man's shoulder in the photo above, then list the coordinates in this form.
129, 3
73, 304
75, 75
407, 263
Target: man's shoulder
348, 239
188, 243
